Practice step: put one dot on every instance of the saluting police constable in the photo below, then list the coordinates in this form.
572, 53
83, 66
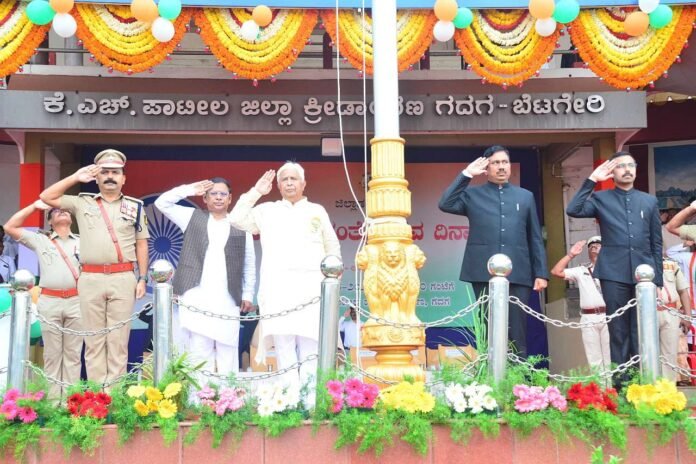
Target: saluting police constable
629, 222
114, 236
59, 268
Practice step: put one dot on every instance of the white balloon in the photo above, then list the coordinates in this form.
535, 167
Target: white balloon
64, 25
648, 6
250, 30
163, 29
443, 31
545, 27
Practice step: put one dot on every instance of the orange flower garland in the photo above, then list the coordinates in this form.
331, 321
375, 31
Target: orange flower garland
629, 62
117, 40
19, 37
414, 35
277, 47
503, 47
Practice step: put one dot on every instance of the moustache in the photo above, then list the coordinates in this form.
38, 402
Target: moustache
110, 181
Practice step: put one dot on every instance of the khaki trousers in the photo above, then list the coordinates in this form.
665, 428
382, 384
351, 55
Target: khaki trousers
106, 299
668, 325
61, 351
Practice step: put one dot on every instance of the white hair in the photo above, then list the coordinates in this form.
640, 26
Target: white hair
291, 165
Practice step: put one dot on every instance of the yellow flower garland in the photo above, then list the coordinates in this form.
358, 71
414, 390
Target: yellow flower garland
19, 37
278, 46
414, 35
129, 48
503, 47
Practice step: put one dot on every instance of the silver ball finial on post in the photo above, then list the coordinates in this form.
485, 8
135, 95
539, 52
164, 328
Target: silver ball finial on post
161, 271
332, 267
499, 265
644, 273
22, 280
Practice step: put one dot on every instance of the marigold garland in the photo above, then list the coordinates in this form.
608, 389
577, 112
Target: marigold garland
117, 40
629, 62
19, 37
414, 35
503, 47
277, 47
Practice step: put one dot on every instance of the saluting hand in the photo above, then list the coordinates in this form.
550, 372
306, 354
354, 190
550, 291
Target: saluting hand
477, 167
201, 187
604, 171
265, 183
576, 249
87, 173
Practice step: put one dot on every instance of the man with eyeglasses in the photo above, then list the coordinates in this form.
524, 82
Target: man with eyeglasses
216, 273
629, 223
502, 219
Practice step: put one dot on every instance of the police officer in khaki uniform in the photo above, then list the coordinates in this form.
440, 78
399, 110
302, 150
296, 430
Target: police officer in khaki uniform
114, 236
59, 268
675, 295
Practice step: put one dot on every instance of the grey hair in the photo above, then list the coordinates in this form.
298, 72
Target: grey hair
291, 165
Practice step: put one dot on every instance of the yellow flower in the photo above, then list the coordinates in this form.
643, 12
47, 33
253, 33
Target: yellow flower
167, 409
666, 386
172, 389
152, 405
663, 406
153, 394
141, 408
135, 391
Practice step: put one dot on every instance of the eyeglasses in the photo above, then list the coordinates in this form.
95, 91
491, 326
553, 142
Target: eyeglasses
219, 194
627, 165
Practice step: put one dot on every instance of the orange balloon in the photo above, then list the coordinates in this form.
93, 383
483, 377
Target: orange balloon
541, 9
35, 292
144, 10
62, 6
636, 23
262, 15
446, 10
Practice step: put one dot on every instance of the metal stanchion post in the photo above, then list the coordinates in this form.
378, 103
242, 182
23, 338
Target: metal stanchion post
648, 334
499, 266
20, 321
332, 268
161, 272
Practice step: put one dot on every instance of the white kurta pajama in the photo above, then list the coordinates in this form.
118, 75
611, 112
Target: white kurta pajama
201, 334
295, 238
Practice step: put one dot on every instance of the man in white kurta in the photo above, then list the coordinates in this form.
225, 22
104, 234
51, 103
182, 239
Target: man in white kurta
207, 339
296, 235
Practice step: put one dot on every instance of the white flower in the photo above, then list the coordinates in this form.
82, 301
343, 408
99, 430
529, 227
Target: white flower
292, 398
489, 403
264, 409
453, 393
264, 392
279, 403
476, 405
460, 405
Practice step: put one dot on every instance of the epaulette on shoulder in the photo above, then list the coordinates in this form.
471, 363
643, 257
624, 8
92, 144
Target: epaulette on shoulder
86, 194
137, 200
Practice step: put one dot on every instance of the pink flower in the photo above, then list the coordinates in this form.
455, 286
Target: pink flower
12, 394
9, 409
335, 388
220, 408
38, 396
353, 385
524, 405
208, 403
337, 406
27, 414
520, 391
355, 399
235, 404
556, 399
370, 393
206, 393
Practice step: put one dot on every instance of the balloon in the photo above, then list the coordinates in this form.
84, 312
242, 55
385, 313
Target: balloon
35, 330
262, 15
661, 16
169, 9
566, 11
250, 30
62, 6
64, 25
648, 6
144, 10
446, 10
545, 27
636, 23
5, 300
443, 31
163, 29
464, 18
40, 12
35, 291
541, 9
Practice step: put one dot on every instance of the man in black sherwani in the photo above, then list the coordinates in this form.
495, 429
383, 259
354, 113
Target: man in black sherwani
629, 222
502, 219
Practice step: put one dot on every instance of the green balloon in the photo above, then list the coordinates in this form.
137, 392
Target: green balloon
661, 16
566, 11
5, 300
40, 12
463, 18
169, 9
35, 331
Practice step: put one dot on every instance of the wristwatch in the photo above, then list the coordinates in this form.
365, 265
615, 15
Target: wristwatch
143, 278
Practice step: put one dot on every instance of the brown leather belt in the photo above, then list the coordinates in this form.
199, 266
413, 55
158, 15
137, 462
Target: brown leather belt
599, 310
107, 268
66, 293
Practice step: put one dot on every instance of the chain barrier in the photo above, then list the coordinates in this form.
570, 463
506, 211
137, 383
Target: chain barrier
5, 314
256, 378
421, 325
675, 312
260, 317
678, 369
3, 370
573, 325
92, 333
583, 378
37, 370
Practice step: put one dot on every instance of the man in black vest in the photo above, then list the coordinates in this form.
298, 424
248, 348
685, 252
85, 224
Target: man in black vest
629, 222
216, 273
502, 219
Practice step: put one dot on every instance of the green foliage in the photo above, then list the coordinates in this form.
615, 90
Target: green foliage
365, 428
597, 457
234, 423
275, 424
17, 436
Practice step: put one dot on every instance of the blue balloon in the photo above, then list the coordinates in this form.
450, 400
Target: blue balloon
464, 18
5, 300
